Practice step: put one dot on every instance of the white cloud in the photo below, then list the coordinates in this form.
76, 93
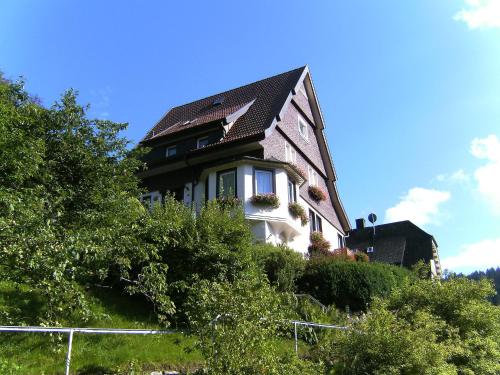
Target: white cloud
480, 14
476, 256
421, 206
488, 176
456, 177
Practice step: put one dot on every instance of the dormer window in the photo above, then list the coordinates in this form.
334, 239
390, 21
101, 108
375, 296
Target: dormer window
303, 127
202, 142
171, 151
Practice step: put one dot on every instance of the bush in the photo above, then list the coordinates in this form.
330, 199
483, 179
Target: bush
317, 193
298, 211
381, 344
268, 199
349, 283
282, 265
319, 245
361, 257
423, 327
243, 339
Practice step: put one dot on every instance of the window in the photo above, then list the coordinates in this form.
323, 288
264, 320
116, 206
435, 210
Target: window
292, 191
340, 240
315, 222
226, 183
202, 142
290, 153
263, 181
313, 176
149, 199
171, 151
302, 127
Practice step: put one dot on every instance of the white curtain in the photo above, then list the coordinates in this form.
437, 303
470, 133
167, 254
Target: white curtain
264, 182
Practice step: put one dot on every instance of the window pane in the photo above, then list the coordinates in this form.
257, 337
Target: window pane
171, 151
263, 182
312, 222
202, 142
292, 197
319, 227
227, 184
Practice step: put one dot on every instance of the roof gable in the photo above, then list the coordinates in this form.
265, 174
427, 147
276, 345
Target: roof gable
268, 96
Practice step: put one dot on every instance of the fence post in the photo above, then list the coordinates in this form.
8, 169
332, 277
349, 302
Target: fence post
296, 341
68, 355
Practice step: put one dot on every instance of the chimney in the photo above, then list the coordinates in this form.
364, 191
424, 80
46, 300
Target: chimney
360, 224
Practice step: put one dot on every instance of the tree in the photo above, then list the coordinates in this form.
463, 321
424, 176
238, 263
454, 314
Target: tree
68, 196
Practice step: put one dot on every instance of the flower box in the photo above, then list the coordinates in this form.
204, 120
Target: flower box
317, 193
269, 199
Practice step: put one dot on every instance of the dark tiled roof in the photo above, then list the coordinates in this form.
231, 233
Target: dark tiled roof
269, 94
395, 243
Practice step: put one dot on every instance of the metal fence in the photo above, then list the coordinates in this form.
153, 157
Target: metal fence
116, 331
72, 331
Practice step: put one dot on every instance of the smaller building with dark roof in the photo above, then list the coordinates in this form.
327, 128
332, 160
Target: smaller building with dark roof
400, 243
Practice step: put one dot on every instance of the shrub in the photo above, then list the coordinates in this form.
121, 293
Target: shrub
361, 257
424, 327
229, 201
243, 340
319, 245
317, 193
267, 199
282, 265
298, 211
349, 283
380, 343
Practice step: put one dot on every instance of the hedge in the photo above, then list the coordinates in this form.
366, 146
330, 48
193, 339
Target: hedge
352, 284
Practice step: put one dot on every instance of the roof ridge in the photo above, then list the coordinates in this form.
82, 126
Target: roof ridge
239, 87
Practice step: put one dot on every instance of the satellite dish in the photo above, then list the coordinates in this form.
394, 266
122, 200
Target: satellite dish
372, 218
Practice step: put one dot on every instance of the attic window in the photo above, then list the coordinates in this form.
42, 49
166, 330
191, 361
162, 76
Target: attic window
218, 101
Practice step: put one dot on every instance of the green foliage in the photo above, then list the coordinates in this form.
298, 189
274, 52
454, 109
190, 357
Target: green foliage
241, 340
68, 191
298, 211
319, 246
491, 274
381, 344
423, 327
282, 265
267, 199
349, 283
361, 257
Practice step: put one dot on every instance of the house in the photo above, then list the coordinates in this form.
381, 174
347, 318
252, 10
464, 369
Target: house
400, 243
255, 142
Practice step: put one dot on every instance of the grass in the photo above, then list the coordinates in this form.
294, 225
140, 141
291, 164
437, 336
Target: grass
35, 353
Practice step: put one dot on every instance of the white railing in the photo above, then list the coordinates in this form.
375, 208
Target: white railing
72, 331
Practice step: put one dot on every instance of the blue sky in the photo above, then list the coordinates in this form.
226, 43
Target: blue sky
410, 90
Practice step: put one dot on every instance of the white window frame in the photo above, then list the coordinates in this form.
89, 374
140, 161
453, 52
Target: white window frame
291, 184
201, 139
171, 148
267, 171
290, 153
302, 121
315, 221
313, 176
